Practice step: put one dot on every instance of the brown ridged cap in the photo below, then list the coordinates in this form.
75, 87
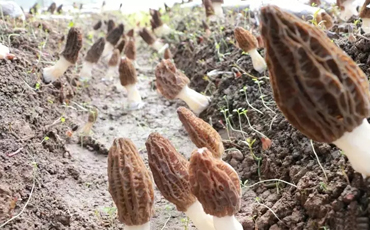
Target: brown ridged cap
115, 58
130, 183
200, 132
320, 90
170, 171
365, 11
130, 49
167, 54
98, 25
52, 8
110, 25
93, 115
214, 183
169, 80
156, 20
121, 45
209, 8
73, 45
127, 72
115, 34
95, 51
130, 33
60, 9
246, 40
326, 19
147, 36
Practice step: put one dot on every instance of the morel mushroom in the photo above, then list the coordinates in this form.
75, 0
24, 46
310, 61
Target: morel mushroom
112, 39
60, 9
319, 88
347, 9
210, 12
98, 25
121, 45
128, 78
92, 57
110, 25
52, 8
34, 9
159, 28
130, 49
93, 116
217, 7
217, 187
167, 54
152, 40
114, 62
68, 57
201, 133
172, 83
130, 185
170, 173
365, 16
325, 19
248, 43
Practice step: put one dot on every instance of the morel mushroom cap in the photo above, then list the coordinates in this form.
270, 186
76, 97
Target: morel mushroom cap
115, 58
246, 40
167, 54
148, 37
127, 72
130, 33
110, 25
215, 184
52, 8
121, 45
130, 183
209, 8
60, 9
156, 20
98, 25
115, 34
130, 49
73, 45
95, 51
201, 133
325, 18
170, 171
33, 9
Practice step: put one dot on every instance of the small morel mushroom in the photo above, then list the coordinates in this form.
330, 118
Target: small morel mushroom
92, 57
365, 16
52, 8
34, 9
159, 28
112, 39
170, 173
217, 7
68, 57
93, 116
60, 9
98, 25
110, 25
121, 45
130, 48
319, 89
217, 187
130, 185
167, 53
248, 43
114, 62
128, 78
152, 40
172, 83
201, 133
325, 19
347, 9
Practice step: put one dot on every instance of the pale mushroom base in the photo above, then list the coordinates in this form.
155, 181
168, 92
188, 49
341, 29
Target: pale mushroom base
259, 64
200, 219
226, 222
134, 100
52, 73
163, 30
217, 6
349, 10
145, 226
159, 46
356, 146
366, 25
112, 72
108, 48
196, 101
4, 51
85, 73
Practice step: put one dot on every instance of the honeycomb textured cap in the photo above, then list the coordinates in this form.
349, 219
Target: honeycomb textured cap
127, 72
110, 25
115, 58
130, 33
169, 80
214, 183
245, 39
147, 36
320, 90
98, 25
130, 49
170, 171
130, 183
200, 132
121, 45
73, 45
167, 53
208, 7
95, 51
115, 34
365, 10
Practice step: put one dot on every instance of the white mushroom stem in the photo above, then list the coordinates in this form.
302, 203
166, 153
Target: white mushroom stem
217, 6
85, 73
349, 10
200, 219
145, 226
258, 62
4, 51
133, 96
196, 101
52, 73
366, 25
159, 46
108, 48
356, 146
163, 30
227, 222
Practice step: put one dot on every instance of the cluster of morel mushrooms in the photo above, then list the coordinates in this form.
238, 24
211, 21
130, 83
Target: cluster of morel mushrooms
320, 90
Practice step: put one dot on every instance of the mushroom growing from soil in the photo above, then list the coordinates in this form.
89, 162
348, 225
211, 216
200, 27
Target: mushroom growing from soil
325, 19
130, 48
92, 57
319, 89
347, 9
52, 8
217, 187
201, 133
68, 57
97, 25
121, 45
159, 28
93, 116
210, 12
60, 9
170, 173
128, 78
167, 54
365, 16
130, 185
248, 43
112, 39
152, 40
172, 83
110, 25
114, 62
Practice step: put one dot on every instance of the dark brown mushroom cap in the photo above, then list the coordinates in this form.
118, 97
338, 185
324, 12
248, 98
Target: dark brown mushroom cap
110, 25
365, 10
98, 25
209, 8
127, 72
130, 183
147, 36
121, 45
169, 80
214, 183
115, 34
95, 51
115, 58
52, 8
201, 133
320, 89
156, 19
167, 53
34, 8
130, 49
246, 40
130, 33
73, 45
60, 9
93, 115
170, 171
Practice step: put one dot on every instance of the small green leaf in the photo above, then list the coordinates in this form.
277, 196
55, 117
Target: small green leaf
71, 24
62, 119
37, 87
46, 138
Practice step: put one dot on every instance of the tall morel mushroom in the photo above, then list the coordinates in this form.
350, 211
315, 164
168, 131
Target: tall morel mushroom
114, 62
93, 116
172, 83
210, 12
159, 28
170, 173
217, 187
112, 39
152, 40
201, 133
130, 48
110, 25
98, 25
92, 57
130, 185
68, 57
365, 16
320, 89
127, 75
248, 43
52, 8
